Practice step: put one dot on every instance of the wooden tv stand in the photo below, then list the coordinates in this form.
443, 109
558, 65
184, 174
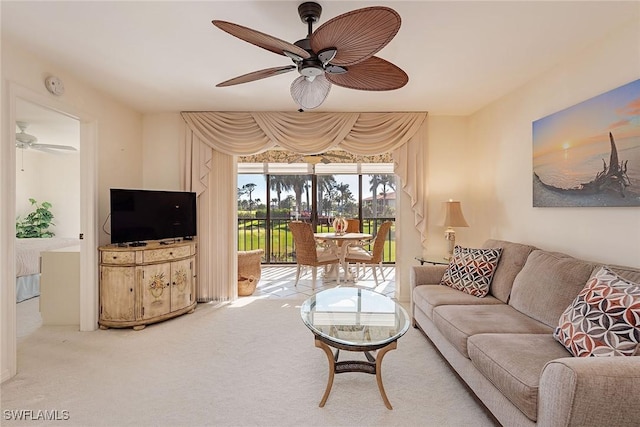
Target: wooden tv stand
140, 285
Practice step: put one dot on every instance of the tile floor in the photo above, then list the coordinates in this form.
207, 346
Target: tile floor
277, 281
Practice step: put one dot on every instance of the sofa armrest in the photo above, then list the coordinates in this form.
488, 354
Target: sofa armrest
426, 275
590, 391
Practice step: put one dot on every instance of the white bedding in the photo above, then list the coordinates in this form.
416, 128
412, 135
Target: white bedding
28, 252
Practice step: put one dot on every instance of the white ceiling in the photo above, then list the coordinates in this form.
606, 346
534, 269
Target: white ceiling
167, 56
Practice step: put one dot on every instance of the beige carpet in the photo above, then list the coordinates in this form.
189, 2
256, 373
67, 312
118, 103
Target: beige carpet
252, 363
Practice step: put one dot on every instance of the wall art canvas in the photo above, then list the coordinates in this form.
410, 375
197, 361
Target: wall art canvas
589, 154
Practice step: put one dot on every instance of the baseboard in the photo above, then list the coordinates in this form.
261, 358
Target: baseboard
6, 374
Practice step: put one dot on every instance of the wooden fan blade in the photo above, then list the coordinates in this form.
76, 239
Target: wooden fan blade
259, 39
257, 75
372, 74
357, 35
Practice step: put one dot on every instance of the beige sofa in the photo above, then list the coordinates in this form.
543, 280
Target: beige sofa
503, 347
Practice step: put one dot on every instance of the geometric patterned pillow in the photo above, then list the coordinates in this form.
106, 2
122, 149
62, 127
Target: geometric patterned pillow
471, 270
604, 319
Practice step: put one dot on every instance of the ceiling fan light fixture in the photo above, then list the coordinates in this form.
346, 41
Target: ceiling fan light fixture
23, 139
311, 71
310, 94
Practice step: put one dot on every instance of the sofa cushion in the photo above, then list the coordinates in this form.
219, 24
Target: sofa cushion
513, 258
513, 363
459, 322
427, 274
604, 319
547, 284
428, 297
627, 273
471, 270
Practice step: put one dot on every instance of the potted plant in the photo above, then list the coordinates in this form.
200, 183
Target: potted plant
36, 223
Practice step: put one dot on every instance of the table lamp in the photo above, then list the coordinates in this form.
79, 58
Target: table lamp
452, 218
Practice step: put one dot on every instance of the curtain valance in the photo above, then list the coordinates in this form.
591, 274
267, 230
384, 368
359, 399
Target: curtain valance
244, 133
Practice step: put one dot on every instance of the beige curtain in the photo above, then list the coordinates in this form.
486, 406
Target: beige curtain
213, 139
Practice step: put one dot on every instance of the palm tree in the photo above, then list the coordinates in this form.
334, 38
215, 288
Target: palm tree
326, 184
344, 195
307, 187
288, 201
374, 184
248, 189
279, 183
297, 184
386, 180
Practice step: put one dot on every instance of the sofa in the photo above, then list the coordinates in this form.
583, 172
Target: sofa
503, 347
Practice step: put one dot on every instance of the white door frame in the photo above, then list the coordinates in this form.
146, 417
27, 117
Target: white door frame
88, 298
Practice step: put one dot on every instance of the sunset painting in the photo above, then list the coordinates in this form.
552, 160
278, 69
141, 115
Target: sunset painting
589, 154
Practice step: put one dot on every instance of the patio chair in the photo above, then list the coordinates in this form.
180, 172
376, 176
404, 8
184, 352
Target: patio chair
353, 225
307, 251
360, 256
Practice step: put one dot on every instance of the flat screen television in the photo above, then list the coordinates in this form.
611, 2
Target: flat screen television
141, 215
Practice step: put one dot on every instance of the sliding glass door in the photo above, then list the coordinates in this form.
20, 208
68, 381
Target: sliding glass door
271, 195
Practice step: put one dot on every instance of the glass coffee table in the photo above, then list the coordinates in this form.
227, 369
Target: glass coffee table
354, 319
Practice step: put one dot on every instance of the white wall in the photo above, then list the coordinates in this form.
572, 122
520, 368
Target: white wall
449, 177
54, 179
499, 160
61, 176
162, 134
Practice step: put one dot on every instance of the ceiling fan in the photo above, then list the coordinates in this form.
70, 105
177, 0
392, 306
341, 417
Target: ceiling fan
25, 140
341, 52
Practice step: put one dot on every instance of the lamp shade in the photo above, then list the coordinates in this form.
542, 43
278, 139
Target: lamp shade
453, 215
309, 94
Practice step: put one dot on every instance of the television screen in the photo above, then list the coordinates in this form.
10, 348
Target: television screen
140, 215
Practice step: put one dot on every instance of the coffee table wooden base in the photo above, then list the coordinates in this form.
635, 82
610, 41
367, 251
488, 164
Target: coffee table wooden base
373, 365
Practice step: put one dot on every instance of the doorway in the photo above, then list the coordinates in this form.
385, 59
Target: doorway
88, 298
47, 192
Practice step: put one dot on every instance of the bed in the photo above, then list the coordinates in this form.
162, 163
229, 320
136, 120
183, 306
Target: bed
28, 263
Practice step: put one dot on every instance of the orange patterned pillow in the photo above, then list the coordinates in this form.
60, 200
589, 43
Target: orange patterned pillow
604, 319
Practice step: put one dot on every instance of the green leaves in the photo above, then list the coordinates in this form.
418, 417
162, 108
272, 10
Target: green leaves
36, 223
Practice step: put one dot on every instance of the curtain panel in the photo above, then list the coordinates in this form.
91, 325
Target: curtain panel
213, 139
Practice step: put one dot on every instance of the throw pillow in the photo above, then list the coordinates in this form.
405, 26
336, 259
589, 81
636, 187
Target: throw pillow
604, 319
471, 270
